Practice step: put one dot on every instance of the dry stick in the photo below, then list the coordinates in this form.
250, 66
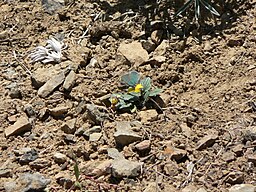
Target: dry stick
88, 28
22, 64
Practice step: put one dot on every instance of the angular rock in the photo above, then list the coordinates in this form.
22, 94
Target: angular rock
114, 153
27, 182
5, 173
94, 129
60, 158
20, 126
41, 75
51, 84
148, 115
228, 156
69, 81
243, 188
124, 135
95, 137
206, 141
103, 168
59, 111
174, 153
69, 126
125, 168
134, 53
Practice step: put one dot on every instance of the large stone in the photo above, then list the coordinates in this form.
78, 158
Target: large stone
41, 75
20, 126
134, 53
243, 188
27, 182
125, 168
124, 134
174, 153
51, 84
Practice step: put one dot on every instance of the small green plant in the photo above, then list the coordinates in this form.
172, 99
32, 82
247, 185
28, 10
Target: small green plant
138, 93
197, 5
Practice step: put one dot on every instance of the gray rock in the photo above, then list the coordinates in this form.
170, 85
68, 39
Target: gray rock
95, 137
51, 84
20, 126
94, 129
96, 113
51, 6
125, 168
27, 182
69, 126
243, 188
114, 153
29, 110
69, 81
206, 141
69, 138
15, 93
28, 156
124, 134
59, 158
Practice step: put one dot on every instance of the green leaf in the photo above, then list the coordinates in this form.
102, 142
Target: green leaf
145, 97
130, 79
130, 97
209, 7
197, 9
76, 170
155, 92
146, 83
183, 8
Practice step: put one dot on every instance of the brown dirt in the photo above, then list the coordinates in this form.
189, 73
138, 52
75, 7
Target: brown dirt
209, 87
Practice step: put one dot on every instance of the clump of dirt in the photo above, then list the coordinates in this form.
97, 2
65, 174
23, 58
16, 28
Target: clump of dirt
54, 116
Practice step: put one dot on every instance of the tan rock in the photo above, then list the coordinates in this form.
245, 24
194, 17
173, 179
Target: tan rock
21, 125
148, 115
134, 53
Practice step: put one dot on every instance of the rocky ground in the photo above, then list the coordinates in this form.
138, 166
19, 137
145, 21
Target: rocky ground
55, 117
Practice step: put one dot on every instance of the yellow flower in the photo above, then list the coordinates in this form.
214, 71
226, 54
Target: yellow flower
114, 99
137, 88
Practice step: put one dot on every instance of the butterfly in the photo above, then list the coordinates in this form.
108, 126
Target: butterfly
131, 79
